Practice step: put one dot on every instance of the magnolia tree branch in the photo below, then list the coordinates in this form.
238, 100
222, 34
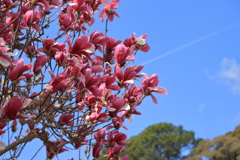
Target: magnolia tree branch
28, 138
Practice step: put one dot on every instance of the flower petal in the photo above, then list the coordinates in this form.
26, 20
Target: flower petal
11, 54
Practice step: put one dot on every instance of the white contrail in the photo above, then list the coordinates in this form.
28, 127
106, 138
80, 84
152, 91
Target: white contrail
191, 43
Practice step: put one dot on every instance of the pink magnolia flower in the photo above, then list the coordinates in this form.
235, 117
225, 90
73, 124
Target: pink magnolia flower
66, 119
118, 121
109, 80
98, 39
111, 44
100, 135
87, 15
113, 152
82, 46
50, 47
109, 47
39, 63
31, 18
134, 94
94, 4
123, 54
67, 18
17, 68
15, 22
139, 43
62, 58
108, 10
149, 85
74, 71
77, 4
96, 149
100, 139
127, 76
91, 85
59, 82
116, 138
106, 94
86, 81
15, 104
117, 104
97, 116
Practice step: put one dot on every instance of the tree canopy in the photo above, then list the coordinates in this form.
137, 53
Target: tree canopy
225, 147
162, 141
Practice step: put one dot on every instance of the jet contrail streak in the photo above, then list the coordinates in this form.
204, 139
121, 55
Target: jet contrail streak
191, 43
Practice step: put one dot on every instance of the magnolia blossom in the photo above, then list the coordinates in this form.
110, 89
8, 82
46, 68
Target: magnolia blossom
5, 61
108, 10
17, 68
149, 85
31, 18
15, 104
139, 43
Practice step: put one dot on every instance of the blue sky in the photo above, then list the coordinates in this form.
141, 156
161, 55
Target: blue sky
202, 78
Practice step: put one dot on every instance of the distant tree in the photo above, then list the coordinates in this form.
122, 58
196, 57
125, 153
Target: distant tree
226, 147
162, 141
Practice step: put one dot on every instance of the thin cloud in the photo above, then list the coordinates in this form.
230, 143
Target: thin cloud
229, 74
191, 43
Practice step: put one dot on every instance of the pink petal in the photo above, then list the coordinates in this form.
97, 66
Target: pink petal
36, 27
22, 116
95, 91
97, 69
26, 102
114, 87
160, 90
49, 87
145, 48
105, 2
5, 62
154, 99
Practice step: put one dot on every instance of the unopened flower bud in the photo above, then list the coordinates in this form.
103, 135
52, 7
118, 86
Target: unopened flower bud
39, 79
14, 126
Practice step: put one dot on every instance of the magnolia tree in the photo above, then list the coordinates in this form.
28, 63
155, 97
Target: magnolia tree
72, 90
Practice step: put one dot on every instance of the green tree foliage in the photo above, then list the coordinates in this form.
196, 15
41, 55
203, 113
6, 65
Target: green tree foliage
162, 141
226, 147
